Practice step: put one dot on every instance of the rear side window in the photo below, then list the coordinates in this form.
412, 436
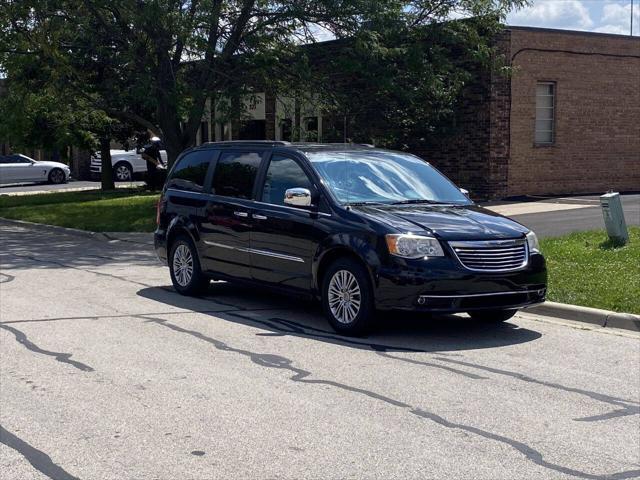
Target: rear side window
191, 171
236, 173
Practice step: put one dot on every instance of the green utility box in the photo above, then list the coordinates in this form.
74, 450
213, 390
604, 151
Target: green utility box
614, 217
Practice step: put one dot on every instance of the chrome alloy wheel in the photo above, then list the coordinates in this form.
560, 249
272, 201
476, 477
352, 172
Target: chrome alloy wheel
344, 296
123, 173
183, 265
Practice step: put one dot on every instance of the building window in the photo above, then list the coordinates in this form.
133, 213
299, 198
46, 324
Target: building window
545, 113
311, 129
286, 129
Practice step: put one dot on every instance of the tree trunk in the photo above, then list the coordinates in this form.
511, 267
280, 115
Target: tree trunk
107, 169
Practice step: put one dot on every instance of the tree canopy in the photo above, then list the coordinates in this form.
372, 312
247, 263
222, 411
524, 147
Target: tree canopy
153, 64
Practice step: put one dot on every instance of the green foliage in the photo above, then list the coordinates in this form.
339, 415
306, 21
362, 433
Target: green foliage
153, 64
587, 269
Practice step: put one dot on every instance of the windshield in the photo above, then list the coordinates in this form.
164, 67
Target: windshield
383, 177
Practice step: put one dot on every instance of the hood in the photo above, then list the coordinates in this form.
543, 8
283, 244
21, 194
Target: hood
52, 165
449, 222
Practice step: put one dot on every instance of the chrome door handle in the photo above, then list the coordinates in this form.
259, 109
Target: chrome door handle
259, 217
241, 214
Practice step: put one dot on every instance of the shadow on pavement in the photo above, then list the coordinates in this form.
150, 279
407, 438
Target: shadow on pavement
30, 248
395, 331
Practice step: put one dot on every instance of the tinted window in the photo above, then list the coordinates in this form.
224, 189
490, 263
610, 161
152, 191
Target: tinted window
235, 174
191, 171
283, 173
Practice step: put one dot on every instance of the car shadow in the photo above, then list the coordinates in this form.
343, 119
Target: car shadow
279, 315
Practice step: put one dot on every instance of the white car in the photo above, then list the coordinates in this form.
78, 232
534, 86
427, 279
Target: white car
19, 168
126, 164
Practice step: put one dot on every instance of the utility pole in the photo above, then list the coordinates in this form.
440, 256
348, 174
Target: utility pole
631, 19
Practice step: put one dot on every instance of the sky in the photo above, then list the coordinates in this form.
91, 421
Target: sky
605, 16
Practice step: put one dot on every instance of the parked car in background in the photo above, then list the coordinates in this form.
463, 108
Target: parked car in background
127, 164
356, 227
18, 168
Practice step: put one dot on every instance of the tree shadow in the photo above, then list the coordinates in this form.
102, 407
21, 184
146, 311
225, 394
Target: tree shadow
279, 315
22, 248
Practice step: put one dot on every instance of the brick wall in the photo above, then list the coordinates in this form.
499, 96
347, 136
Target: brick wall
476, 155
597, 118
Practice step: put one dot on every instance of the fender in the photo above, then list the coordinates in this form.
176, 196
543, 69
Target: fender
363, 247
180, 224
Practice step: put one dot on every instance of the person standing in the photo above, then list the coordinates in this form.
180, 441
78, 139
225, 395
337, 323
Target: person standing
151, 154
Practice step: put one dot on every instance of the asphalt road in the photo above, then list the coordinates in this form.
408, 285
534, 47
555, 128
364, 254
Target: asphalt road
554, 223
106, 373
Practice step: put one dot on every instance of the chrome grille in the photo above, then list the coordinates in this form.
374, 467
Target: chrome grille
491, 255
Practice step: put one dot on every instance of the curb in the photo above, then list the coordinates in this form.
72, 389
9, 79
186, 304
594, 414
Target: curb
100, 236
594, 316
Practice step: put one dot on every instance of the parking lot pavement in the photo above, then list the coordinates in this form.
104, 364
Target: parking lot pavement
553, 217
106, 373
72, 186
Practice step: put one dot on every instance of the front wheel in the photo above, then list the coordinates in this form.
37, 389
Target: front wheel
184, 266
122, 172
492, 316
347, 297
56, 176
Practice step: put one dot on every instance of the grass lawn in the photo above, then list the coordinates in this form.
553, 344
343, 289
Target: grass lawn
586, 269
94, 210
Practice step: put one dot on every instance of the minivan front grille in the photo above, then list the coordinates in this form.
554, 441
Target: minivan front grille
491, 255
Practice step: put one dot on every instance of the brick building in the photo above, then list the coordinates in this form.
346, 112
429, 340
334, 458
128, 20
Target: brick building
566, 121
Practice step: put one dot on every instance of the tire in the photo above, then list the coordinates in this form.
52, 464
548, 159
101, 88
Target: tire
188, 280
122, 172
57, 176
492, 316
345, 283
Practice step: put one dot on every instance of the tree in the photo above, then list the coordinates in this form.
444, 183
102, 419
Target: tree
155, 63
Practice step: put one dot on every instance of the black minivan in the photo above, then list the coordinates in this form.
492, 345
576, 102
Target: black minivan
357, 227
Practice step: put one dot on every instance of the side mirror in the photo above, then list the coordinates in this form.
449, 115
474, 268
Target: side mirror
297, 197
465, 192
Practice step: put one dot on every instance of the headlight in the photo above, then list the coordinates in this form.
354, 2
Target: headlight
532, 242
413, 246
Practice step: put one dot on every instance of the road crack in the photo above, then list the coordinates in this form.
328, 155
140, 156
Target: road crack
301, 376
59, 356
37, 458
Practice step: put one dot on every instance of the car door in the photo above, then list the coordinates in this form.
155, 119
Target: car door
18, 169
6, 170
284, 238
227, 223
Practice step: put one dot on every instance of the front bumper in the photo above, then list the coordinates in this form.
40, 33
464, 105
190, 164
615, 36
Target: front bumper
443, 285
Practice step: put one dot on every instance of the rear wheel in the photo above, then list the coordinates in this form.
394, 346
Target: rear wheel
184, 266
56, 176
492, 316
122, 172
347, 297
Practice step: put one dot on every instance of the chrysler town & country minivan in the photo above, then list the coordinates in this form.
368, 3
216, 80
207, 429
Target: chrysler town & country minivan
358, 228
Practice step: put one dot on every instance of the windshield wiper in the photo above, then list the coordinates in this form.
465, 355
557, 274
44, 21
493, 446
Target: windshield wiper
417, 200
356, 204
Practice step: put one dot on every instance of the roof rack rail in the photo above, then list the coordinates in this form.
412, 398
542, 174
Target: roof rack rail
248, 142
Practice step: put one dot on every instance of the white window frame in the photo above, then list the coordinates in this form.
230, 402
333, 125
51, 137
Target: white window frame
553, 114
